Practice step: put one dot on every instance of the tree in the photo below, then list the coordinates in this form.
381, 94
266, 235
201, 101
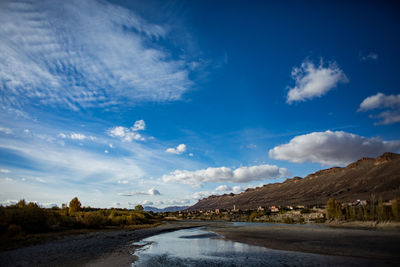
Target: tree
139, 208
21, 203
74, 205
333, 209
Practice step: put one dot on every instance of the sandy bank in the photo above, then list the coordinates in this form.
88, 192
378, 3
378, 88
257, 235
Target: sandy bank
382, 245
95, 249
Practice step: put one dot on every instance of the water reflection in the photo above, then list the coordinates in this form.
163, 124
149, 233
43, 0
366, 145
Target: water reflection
196, 247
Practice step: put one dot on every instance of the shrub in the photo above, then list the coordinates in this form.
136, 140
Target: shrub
93, 220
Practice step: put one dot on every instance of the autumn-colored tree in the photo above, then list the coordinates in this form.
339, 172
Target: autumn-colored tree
74, 205
333, 209
21, 203
139, 208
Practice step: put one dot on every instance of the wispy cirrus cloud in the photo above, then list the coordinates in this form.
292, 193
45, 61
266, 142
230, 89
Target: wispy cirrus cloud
332, 148
314, 81
150, 192
382, 101
82, 54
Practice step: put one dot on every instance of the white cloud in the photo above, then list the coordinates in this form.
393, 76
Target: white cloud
332, 148
237, 189
191, 154
73, 162
150, 192
369, 56
314, 81
8, 202
4, 171
388, 117
154, 192
77, 136
123, 182
224, 174
128, 134
38, 179
5, 130
381, 101
146, 202
106, 151
84, 53
223, 188
139, 125
201, 194
178, 150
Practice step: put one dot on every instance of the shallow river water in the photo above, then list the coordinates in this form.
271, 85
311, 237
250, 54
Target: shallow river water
197, 247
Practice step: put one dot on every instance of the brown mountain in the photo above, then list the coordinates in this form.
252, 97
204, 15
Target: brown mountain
358, 180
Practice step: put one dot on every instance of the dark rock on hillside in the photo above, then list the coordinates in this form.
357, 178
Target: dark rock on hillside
358, 180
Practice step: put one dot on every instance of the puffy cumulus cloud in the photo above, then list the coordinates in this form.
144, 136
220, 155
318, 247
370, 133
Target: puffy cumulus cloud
139, 125
224, 174
128, 134
154, 192
380, 101
237, 189
4, 171
223, 188
314, 81
150, 192
178, 150
332, 148
79, 54
201, 194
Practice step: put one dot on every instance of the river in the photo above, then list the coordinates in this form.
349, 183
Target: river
198, 247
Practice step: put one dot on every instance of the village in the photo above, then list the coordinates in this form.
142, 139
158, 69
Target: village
361, 210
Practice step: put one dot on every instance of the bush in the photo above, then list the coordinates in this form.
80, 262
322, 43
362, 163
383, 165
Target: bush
93, 220
288, 220
252, 216
305, 211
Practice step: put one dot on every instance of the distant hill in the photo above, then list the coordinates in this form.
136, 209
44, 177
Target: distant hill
358, 180
166, 209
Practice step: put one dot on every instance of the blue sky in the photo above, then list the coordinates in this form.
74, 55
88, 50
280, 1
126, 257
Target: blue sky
165, 102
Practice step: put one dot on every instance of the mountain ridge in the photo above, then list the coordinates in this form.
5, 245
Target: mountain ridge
358, 180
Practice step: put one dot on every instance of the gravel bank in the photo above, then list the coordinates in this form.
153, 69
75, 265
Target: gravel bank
371, 244
94, 249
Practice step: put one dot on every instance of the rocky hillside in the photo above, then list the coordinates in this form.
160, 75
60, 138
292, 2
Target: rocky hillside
358, 180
